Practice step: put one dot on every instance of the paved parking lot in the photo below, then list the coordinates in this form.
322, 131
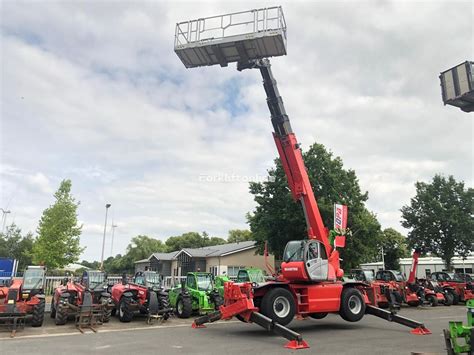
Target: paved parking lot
331, 335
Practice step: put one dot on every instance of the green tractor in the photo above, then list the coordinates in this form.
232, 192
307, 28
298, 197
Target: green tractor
458, 331
198, 294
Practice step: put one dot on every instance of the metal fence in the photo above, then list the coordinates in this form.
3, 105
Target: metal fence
52, 282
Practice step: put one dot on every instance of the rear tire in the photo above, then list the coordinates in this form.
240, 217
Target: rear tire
38, 314
448, 299
184, 307
61, 315
352, 305
318, 315
279, 305
218, 301
124, 311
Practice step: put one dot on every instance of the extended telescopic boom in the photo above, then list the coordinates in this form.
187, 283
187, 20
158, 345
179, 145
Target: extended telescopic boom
290, 153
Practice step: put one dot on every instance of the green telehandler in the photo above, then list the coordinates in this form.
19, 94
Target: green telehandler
459, 338
198, 294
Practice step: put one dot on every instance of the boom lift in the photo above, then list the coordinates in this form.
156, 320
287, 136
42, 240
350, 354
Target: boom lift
310, 281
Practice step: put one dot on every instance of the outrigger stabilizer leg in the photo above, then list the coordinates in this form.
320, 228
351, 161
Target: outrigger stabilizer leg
295, 339
239, 302
417, 327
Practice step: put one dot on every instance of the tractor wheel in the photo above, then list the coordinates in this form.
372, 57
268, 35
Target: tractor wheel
113, 312
455, 297
125, 314
279, 305
414, 303
448, 299
447, 341
432, 300
318, 315
184, 307
38, 314
218, 301
53, 310
352, 305
106, 315
61, 315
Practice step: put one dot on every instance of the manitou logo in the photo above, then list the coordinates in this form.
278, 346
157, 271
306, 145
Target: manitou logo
340, 216
291, 269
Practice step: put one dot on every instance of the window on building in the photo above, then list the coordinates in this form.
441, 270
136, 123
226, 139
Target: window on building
213, 270
232, 271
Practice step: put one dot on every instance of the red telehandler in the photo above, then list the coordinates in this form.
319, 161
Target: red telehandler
309, 284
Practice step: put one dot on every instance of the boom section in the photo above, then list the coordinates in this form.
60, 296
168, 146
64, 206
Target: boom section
290, 154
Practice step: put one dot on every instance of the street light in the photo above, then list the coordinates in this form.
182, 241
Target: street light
113, 232
4, 218
103, 239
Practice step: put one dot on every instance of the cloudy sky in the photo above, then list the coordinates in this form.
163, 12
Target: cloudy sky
92, 91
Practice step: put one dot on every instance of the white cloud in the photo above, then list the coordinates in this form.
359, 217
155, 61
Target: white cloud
93, 92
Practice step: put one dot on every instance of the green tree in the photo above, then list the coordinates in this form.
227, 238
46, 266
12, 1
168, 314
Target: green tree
279, 219
440, 218
239, 235
192, 240
141, 247
394, 247
58, 232
17, 246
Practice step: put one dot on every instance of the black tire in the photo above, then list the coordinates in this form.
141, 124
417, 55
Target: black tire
279, 305
352, 305
318, 315
124, 311
38, 314
61, 315
106, 315
447, 341
113, 312
433, 300
184, 307
52, 313
455, 297
448, 299
414, 303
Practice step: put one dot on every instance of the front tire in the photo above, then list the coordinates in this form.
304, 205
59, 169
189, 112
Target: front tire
124, 311
61, 315
455, 297
352, 305
184, 307
279, 305
448, 299
38, 314
432, 300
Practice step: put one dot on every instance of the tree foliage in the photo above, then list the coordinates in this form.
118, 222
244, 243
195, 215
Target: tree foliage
440, 218
58, 232
279, 219
395, 246
239, 235
192, 240
17, 246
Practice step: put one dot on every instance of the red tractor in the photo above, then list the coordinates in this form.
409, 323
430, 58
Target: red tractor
23, 299
460, 290
144, 294
73, 298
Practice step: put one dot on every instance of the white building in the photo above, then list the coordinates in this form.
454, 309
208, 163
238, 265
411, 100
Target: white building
427, 265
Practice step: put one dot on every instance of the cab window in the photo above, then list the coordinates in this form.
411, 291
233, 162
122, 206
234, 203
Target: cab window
243, 276
191, 282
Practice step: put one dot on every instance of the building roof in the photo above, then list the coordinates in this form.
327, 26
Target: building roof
215, 250
218, 250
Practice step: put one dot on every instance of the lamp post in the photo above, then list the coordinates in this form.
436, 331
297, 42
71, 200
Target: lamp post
4, 218
103, 239
113, 232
